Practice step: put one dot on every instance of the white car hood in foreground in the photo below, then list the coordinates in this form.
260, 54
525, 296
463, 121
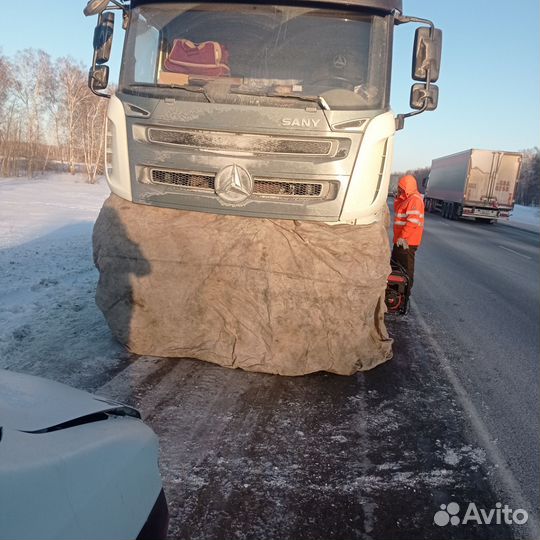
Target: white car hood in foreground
72, 466
29, 403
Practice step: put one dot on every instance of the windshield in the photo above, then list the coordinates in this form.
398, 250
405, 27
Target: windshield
257, 54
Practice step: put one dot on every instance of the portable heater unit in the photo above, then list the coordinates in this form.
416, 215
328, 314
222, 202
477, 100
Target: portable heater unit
397, 289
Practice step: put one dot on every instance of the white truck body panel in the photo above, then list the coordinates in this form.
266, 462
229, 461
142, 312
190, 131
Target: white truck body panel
368, 188
117, 165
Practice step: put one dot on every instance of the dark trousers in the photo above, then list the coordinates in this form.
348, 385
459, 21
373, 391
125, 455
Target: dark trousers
405, 257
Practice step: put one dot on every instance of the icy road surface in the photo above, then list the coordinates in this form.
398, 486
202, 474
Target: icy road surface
452, 418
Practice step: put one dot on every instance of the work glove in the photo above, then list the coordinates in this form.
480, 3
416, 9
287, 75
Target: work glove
402, 243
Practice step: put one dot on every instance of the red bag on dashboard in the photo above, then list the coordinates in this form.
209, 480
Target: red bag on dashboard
207, 58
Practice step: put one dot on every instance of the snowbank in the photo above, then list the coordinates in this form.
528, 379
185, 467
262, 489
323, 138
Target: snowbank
30, 208
49, 323
524, 217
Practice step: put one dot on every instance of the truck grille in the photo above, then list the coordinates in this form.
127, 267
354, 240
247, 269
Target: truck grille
286, 188
263, 187
183, 179
252, 144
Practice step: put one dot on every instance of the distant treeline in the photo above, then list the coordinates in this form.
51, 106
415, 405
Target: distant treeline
528, 192
49, 119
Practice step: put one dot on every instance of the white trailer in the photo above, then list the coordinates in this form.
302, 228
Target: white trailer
474, 183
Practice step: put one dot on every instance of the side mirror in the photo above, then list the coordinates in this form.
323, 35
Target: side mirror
94, 7
103, 35
420, 93
98, 78
427, 54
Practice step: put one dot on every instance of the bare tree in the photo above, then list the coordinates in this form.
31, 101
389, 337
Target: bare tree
6, 110
94, 114
67, 94
528, 192
33, 72
6, 80
47, 112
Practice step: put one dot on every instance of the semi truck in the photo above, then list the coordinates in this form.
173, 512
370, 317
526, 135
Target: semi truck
479, 184
258, 109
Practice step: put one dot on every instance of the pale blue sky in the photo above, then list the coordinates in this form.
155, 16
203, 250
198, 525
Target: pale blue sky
489, 80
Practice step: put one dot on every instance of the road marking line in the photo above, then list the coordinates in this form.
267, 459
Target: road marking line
506, 476
516, 252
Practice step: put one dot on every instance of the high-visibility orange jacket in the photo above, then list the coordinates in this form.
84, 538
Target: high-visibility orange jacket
409, 213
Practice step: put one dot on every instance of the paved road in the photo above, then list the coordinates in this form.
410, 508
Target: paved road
478, 289
372, 456
453, 417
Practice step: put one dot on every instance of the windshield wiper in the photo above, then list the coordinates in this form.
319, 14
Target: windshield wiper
192, 89
319, 100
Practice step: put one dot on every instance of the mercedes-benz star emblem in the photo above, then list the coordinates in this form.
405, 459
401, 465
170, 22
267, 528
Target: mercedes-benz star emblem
233, 185
340, 61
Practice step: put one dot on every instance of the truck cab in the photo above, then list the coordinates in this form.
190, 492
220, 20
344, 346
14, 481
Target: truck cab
257, 109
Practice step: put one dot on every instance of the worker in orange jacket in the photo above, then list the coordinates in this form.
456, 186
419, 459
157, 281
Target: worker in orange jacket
408, 224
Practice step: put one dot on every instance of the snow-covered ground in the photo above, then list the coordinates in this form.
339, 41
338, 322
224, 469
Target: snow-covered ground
524, 217
29, 209
49, 323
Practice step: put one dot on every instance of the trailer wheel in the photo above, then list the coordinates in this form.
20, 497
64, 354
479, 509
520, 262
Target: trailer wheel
444, 210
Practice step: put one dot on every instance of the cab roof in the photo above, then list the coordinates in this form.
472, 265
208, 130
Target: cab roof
383, 5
